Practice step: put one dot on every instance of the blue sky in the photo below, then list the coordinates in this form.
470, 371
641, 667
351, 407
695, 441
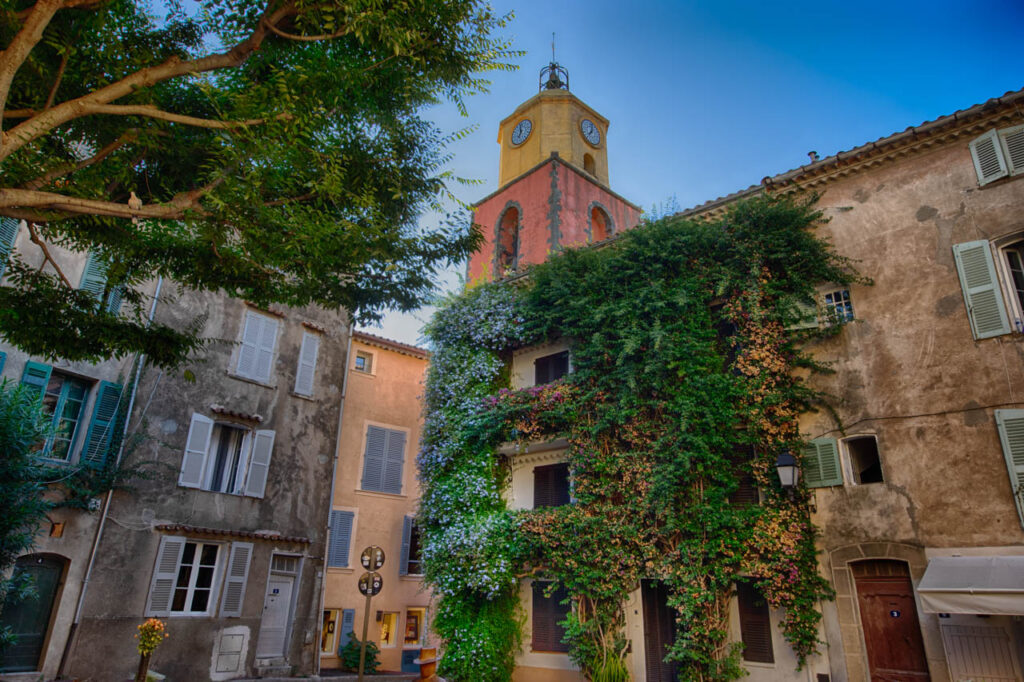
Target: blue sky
706, 98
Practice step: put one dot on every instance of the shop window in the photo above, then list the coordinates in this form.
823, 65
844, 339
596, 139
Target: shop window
415, 626
329, 632
864, 461
388, 629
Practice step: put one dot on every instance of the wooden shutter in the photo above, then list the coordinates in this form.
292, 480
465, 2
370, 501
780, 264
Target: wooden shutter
234, 582
197, 444
36, 375
259, 463
265, 348
755, 624
746, 492
394, 462
8, 234
94, 279
551, 485
1013, 145
341, 537
989, 161
547, 613
348, 627
821, 463
984, 300
249, 350
1011, 433
165, 574
373, 459
306, 371
541, 370
403, 561
102, 425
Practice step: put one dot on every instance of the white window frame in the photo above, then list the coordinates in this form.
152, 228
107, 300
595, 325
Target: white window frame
215, 584
1014, 306
256, 343
245, 485
372, 371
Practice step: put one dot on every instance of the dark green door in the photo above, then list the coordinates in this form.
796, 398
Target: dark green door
29, 619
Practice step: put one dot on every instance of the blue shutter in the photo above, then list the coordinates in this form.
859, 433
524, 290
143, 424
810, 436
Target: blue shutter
348, 627
8, 233
394, 460
341, 538
101, 428
373, 459
114, 300
403, 561
3, 360
36, 375
94, 279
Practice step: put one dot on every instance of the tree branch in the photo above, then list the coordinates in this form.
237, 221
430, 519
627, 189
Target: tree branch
151, 111
61, 171
22, 44
295, 36
56, 81
20, 113
37, 240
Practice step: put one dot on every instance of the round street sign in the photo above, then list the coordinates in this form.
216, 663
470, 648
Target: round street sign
370, 584
372, 558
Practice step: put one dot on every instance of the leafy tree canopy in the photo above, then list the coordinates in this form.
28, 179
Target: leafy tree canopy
272, 149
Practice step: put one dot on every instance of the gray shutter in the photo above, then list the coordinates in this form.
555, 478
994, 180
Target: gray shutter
165, 574
101, 428
348, 627
37, 376
94, 279
403, 561
821, 463
306, 372
373, 459
265, 348
1013, 145
197, 444
1011, 434
989, 162
8, 234
248, 352
114, 300
394, 462
237, 576
341, 538
984, 300
259, 463
806, 313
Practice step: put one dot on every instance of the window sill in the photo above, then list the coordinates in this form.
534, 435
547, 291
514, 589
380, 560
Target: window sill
371, 375
758, 664
386, 496
412, 578
257, 382
340, 569
304, 397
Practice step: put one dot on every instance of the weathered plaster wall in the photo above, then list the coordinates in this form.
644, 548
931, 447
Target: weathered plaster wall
388, 396
296, 501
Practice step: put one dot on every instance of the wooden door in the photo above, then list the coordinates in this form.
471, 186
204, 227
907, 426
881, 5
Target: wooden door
29, 619
659, 631
888, 614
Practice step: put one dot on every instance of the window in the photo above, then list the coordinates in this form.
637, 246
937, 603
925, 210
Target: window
838, 308
64, 399
415, 626
975, 266
755, 624
9, 228
364, 362
588, 164
820, 464
383, 460
865, 465
226, 458
746, 492
388, 629
1010, 424
94, 281
410, 560
187, 574
194, 585
548, 612
550, 367
341, 538
551, 485
306, 372
329, 632
256, 354
998, 153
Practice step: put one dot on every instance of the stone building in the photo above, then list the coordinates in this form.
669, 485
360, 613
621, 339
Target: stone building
375, 497
918, 474
225, 541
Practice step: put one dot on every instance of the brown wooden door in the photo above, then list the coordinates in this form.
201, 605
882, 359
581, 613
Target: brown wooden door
888, 615
659, 631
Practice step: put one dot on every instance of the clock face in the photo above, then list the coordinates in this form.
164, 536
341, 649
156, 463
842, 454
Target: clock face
590, 132
521, 131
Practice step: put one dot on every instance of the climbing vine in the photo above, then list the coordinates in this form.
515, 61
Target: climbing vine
683, 382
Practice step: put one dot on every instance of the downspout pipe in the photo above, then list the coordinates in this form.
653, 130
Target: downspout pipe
334, 474
140, 359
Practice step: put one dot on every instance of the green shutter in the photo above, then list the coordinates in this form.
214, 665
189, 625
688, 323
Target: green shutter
805, 313
101, 428
1011, 434
984, 300
114, 300
8, 233
3, 360
821, 463
36, 375
94, 279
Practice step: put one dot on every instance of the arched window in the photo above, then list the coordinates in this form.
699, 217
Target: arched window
588, 164
507, 245
600, 225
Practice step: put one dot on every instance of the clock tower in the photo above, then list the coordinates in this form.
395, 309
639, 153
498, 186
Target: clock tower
553, 183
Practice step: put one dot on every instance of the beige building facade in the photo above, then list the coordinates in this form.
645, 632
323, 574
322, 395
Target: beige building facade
376, 493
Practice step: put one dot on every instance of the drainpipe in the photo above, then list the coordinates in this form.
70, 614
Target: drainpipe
334, 474
72, 631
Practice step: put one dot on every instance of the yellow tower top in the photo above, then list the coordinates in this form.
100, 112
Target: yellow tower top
554, 120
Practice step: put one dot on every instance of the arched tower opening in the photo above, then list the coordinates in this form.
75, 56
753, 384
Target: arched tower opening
506, 246
601, 226
588, 164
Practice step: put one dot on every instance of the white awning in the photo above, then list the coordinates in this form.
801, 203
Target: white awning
974, 584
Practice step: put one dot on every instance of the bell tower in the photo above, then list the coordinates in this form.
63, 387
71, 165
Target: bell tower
553, 183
